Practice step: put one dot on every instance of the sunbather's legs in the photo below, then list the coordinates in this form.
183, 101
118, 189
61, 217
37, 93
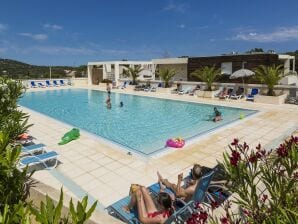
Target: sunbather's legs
179, 191
131, 204
149, 204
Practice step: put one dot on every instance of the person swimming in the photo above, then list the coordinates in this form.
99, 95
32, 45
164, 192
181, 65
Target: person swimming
108, 102
121, 104
217, 115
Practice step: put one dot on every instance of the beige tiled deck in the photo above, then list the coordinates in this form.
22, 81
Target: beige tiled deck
106, 173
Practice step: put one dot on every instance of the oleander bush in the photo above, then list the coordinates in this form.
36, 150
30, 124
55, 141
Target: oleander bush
265, 185
15, 205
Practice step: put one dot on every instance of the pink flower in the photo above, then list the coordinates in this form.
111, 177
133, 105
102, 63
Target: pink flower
282, 151
253, 159
224, 220
234, 159
214, 205
245, 146
235, 142
260, 153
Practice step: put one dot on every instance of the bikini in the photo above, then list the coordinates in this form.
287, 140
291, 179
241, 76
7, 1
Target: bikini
157, 213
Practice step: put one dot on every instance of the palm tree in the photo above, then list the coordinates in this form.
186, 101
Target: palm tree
208, 75
166, 75
133, 72
269, 75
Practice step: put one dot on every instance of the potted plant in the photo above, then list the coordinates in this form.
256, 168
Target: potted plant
208, 75
133, 72
166, 75
270, 76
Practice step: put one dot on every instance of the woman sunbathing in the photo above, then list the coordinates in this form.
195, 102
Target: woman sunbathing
147, 211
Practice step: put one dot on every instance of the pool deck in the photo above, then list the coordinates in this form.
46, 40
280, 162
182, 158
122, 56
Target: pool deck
105, 172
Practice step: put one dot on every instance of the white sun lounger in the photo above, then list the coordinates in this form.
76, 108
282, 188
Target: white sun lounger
39, 159
31, 149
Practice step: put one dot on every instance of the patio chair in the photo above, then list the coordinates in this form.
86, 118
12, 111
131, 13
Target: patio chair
224, 94
238, 94
32, 149
123, 86
184, 91
292, 97
41, 85
251, 96
48, 83
192, 91
220, 91
55, 83
62, 82
33, 85
181, 215
114, 85
43, 159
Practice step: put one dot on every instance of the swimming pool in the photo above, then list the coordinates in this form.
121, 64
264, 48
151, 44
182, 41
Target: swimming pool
143, 124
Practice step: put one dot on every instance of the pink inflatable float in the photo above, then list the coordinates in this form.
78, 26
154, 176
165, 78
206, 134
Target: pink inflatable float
176, 142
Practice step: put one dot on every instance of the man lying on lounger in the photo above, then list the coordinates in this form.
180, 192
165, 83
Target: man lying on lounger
188, 190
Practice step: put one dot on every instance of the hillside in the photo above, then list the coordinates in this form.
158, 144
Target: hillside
20, 70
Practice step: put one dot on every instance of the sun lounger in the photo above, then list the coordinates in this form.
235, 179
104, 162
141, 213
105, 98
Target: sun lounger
48, 83
123, 86
62, 83
292, 97
238, 94
251, 96
39, 159
55, 83
31, 149
117, 211
184, 91
41, 85
114, 85
180, 215
33, 85
224, 94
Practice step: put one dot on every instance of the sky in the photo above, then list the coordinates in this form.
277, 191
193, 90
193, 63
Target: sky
74, 32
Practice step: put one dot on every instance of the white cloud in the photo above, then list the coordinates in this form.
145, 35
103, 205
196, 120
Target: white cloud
181, 7
3, 27
35, 36
54, 50
278, 35
181, 26
52, 26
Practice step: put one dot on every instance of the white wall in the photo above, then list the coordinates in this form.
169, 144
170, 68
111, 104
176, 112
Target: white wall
181, 70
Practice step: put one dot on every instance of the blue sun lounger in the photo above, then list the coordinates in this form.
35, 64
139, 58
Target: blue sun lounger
48, 83
41, 85
31, 149
117, 211
55, 83
33, 85
62, 83
39, 159
199, 195
251, 96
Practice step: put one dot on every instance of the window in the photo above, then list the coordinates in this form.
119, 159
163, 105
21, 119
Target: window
226, 68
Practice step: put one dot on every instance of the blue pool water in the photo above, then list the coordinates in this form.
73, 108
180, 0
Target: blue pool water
143, 124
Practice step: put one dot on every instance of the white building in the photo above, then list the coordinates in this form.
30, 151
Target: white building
113, 70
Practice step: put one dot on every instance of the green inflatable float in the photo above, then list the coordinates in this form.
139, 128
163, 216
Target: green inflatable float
69, 136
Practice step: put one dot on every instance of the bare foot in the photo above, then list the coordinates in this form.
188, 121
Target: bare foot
180, 176
126, 209
160, 179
